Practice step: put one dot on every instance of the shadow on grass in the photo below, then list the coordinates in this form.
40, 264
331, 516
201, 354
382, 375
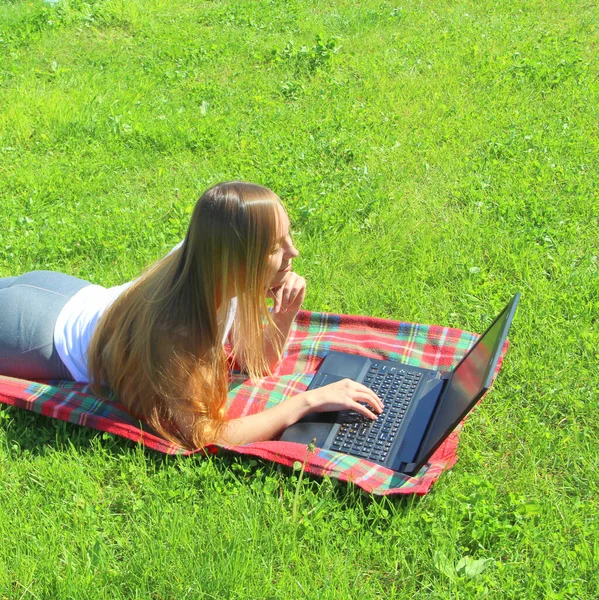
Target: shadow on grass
30, 434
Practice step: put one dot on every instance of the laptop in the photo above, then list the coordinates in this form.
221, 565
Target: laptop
422, 406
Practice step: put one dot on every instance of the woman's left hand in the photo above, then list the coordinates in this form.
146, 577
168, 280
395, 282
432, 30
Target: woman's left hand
289, 294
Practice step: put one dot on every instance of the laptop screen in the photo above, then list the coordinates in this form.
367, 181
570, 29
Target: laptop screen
469, 380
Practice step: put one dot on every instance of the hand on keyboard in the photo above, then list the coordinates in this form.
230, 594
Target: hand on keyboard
345, 395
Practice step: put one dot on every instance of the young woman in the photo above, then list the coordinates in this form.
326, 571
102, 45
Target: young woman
158, 341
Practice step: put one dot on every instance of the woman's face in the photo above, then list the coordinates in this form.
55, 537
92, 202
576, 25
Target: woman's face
285, 252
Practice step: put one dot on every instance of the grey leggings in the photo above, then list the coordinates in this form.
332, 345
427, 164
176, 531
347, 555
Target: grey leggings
29, 307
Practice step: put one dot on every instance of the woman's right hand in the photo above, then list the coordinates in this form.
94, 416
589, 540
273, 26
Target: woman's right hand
343, 395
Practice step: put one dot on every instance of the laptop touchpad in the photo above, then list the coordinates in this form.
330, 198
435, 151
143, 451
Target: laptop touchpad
343, 365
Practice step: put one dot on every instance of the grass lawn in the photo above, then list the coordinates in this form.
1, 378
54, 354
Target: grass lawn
435, 157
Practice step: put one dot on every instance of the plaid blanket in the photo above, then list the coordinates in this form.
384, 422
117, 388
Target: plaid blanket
312, 337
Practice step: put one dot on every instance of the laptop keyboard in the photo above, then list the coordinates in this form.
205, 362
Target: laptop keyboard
365, 438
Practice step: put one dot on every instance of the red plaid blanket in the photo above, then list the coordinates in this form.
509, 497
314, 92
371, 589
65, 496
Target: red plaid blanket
312, 336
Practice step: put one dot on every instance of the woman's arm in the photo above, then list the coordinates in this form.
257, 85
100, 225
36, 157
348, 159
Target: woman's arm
288, 298
341, 395
277, 336
265, 425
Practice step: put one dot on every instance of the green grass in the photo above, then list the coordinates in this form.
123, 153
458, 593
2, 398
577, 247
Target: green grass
435, 158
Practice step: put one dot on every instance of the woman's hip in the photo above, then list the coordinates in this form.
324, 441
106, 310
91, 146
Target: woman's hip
29, 306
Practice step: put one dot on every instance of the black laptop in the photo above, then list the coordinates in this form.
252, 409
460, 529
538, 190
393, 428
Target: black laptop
422, 406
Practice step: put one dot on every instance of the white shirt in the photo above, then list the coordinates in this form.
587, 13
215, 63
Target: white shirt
78, 318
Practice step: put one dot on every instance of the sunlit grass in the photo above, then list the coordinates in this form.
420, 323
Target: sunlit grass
435, 158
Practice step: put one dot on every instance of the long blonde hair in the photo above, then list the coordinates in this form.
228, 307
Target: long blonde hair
159, 346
